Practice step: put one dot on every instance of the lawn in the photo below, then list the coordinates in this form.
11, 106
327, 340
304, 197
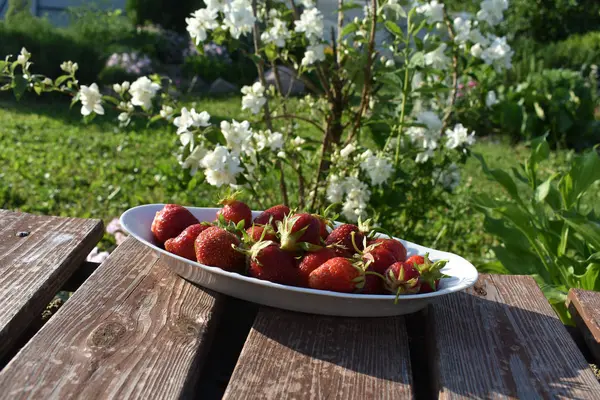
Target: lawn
53, 163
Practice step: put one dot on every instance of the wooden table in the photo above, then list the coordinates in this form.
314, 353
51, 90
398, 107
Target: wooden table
133, 329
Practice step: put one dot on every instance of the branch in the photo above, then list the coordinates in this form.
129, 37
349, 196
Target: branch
364, 101
454, 91
305, 119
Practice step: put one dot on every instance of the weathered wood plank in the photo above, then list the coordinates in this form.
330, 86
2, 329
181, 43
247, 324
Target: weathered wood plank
290, 355
503, 340
584, 306
133, 330
37, 255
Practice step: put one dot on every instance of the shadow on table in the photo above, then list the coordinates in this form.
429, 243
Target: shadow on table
462, 345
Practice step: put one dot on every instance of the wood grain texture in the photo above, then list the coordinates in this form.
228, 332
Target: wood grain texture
584, 306
35, 264
133, 330
503, 340
299, 356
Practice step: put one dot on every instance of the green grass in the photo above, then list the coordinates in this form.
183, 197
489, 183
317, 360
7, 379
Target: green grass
53, 163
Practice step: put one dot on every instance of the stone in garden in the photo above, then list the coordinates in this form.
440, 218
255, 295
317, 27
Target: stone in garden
221, 86
287, 77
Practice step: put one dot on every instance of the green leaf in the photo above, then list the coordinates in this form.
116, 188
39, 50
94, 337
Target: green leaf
417, 60
541, 192
585, 170
591, 279
539, 111
394, 28
271, 51
564, 239
61, 79
351, 6
38, 89
350, 28
110, 99
154, 119
589, 230
502, 177
19, 86
493, 267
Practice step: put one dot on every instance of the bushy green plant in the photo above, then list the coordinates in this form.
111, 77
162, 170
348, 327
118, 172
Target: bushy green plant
17, 8
547, 226
576, 52
162, 12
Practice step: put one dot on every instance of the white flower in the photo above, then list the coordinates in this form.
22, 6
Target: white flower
237, 135
462, 29
433, 10
357, 198
239, 18
430, 119
459, 136
476, 50
24, 57
491, 99
417, 80
307, 3
498, 54
189, 119
277, 34
167, 112
221, 167
313, 54
253, 98
394, 7
311, 23
69, 67
203, 20
298, 141
91, 100
346, 151
47, 81
335, 189
476, 37
194, 160
123, 117
217, 5
142, 91
449, 178
275, 141
378, 168
492, 11
436, 58
390, 63
120, 88
424, 156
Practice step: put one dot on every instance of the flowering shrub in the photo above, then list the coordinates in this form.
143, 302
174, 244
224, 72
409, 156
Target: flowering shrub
132, 63
373, 134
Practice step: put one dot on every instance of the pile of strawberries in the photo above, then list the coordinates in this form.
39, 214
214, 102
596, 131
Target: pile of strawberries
296, 249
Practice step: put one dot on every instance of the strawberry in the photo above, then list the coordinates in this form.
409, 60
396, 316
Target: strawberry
297, 229
214, 247
342, 237
273, 214
338, 275
312, 261
378, 258
256, 233
235, 211
183, 245
397, 248
430, 273
171, 221
402, 277
373, 285
416, 259
270, 263
323, 232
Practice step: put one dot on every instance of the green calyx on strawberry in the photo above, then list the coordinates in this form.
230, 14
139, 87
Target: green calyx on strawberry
299, 232
230, 226
430, 273
402, 278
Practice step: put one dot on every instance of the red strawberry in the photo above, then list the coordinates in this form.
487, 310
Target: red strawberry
323, 232
402, 278
312, 261
256, 231
171, 221
430, 273
277, 213
236, 211
342, 236
426, 287
270, 263
183, 245
373, 285
299, 228
338, 275
214, 247
379, 258
416, 259
397, 248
